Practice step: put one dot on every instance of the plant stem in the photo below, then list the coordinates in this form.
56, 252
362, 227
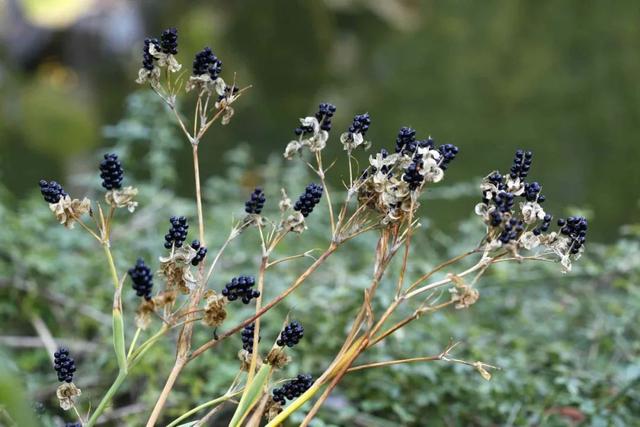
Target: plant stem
122, 375
199, 408
196, 173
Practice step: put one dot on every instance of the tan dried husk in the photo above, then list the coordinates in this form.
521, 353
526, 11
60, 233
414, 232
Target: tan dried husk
245, 360
463, 295
176, 269
214, 311
295, 223
67, 210
144, 312
273, 409
277, 358
67, 394
122, 198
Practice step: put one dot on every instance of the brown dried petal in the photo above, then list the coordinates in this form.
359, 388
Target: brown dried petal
67, 393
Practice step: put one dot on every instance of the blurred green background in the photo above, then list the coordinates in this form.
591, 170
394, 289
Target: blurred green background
559, 78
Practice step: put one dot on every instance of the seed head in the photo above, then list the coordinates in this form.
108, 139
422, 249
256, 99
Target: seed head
206, 62
247, 337
147, 58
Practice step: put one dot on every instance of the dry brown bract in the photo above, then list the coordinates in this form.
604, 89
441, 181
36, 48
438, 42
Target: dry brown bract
463, 295
175, 269
122, 198
68, 211
214, 310
67, 393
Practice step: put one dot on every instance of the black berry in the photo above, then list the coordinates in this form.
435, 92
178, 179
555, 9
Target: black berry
291, 335
361, 123
292, 389
177, 233
64, 365
201, 252
169, 41
256, 202
142, 279
148, 59
247, 337
111, 172
241, 287
51, 191
309, 199
205, 62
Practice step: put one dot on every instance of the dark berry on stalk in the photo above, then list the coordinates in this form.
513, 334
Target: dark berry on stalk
309, 199
256, 202
324, 115
64, 365
521, 164
111, 172
201, 252
177, 233
406, 140
448, 153
169, 41
247, 337
292, 389
206, 62
142, 279
51, 191
412, 175
360, 124
241, 287
147, 58
575, 228
291, 334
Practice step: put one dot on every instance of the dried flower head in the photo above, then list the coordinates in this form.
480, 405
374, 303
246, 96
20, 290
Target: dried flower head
67, 394
68, 211
392, 183
122, 198
462, 294
525, 225
313, 132
277, 358
214, 310
144, 312
175, 269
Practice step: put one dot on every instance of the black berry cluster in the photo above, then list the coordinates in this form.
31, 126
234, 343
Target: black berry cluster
574, 227
177, 233
544, 226
291, 335
361, 123
406, 140
51, 191
64, 365
412, 175
256, 202
169, 41
521, 164
111, 172
148, 59
206, 62
324, 115
247, 337
142, 279
448, 153
200, 254
241, 287
292, 389
511, 230
532, 192
309, 199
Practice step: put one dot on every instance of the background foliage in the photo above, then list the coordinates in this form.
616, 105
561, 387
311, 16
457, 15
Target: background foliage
568, 345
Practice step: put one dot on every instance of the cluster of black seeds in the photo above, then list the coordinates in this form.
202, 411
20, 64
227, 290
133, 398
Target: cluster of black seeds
291, 334
256, 202
448, 153
521, 164
247, 337
169, 41
51, 191
148, 59
324, 115
200, 254
292, 389
142, 279
361, 123
309, 199
241, 287
64, 365
177, 233
111, 172
406, 142
206, 62
574, 227
412, 175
